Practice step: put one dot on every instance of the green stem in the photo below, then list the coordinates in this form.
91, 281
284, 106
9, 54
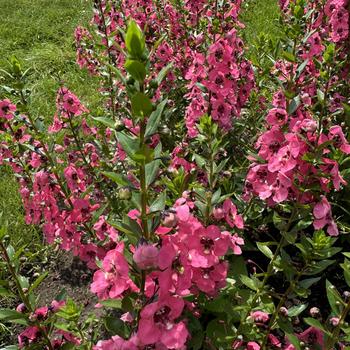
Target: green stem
260, 290
268, 274
280, 304
24, 298
335, 334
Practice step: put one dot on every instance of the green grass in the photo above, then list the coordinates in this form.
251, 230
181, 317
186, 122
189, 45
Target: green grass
260, 16
40, 34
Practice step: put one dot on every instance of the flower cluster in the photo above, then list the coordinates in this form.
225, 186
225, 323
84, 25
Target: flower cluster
297, 154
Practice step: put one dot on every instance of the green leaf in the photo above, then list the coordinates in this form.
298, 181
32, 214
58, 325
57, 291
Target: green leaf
3, 231
116, 326
346, 267
294, 105
296, 310
301, 225
122, 227
144, 155
302, 67
265, 249
197, 334
136, 69
129, 144
288, 56
201, 162
151, 170
10, 347
163, 73
70, 311
335, 301
119, 179
37, 282
285, 325
24, 281
315, 323
279, 222
307, 283
117, 73
154, 119
112, 303
294, 341
159, 203
319, 267
141, 105
4, 292
134, 40
105, 121
250, 283
9, 315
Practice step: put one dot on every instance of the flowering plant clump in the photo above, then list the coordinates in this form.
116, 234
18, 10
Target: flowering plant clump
199, 234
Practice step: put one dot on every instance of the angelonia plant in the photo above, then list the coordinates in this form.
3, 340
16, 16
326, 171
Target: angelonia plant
208, 192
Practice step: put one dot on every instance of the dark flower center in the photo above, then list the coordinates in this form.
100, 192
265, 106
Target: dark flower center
207, 243
162, 315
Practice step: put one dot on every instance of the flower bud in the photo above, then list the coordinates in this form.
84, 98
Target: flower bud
21, 308
314, 311
169, 220
334, 321
218, 213
284, 311
124, 193
346, 295
146, 256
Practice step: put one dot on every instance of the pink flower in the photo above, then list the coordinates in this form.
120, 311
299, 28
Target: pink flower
312, 336
7, 109
206, 245
158, 323
68, 104
113, 279
277, 116
334, 321
231, 216
259, 316
252, 345
323, 216
146, 256
28, 336
336, 134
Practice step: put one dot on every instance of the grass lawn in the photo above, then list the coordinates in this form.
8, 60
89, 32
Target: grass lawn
40, 34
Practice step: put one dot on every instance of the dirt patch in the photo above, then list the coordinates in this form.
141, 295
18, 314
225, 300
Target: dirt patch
70, 275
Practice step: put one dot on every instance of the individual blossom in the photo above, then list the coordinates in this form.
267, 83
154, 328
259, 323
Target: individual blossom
337, 136
323, 217
6, 109
69, 104
29, 336
158, 323
277, 116
259, 316
112, 280
231, 216
312, 337
146, 256
252, 345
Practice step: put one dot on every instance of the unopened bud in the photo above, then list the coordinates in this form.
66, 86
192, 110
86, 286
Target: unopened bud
169, 220
314, 311
124, 193
284, 311
334, 321
346, 295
